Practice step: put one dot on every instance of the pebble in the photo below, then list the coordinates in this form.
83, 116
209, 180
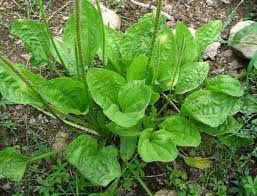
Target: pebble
211, 51
226, 1
165, 192
209, 3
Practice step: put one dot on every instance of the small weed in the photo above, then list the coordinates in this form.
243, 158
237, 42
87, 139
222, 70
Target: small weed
133, 171
52, 183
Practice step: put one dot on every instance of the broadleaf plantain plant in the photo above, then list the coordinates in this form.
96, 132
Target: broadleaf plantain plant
140, 69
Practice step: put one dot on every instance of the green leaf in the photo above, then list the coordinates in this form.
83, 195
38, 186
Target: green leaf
104, 86
138, 37
235, 141
122, 131
90, 31
67, 54
137, 69
226, 84
250, 104
128, 146
112, 50
134, 97
229, 126
36, 40
210, 108
66, 94
157, 146
207, 34
252, 64
122, 103
16, 90
191, 76
190, 53
245, 34
12, 164
184, 132
198, 162
163, 63
98, 165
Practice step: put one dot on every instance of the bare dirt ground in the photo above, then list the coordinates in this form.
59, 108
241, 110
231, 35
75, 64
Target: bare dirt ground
34, 128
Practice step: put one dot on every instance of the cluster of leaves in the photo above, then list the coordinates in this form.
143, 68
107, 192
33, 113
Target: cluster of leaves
139, 67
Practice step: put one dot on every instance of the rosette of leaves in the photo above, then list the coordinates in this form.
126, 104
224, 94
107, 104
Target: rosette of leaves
120, 97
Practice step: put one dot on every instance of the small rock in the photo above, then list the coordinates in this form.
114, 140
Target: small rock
110, 18
166, 192
168, 8
228, 53
244, 48
60, 140
26, 57
235, 65
4, 6
211, 51
238, 27
226, 1
65, 18
209, 3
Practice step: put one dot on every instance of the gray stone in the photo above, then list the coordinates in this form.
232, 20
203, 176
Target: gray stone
110, 18
165, 192
211, 51
247, 46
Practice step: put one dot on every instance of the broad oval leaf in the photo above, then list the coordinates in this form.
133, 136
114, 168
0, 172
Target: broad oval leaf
207, 34
112, 50
137, 69
157, 146
184, 131
210, 108
122, 103
98, 165
191, 76
134, 97
91, 31
66, 94
16, 90
229, 126
226, 84
104, 86
36, 40
67, 55
12, 164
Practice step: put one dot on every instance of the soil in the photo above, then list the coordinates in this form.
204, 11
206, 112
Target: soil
30, 123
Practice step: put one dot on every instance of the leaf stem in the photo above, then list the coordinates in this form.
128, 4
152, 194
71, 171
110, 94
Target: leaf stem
48, 154
28, 83
171, 102
141, 182
75, 125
